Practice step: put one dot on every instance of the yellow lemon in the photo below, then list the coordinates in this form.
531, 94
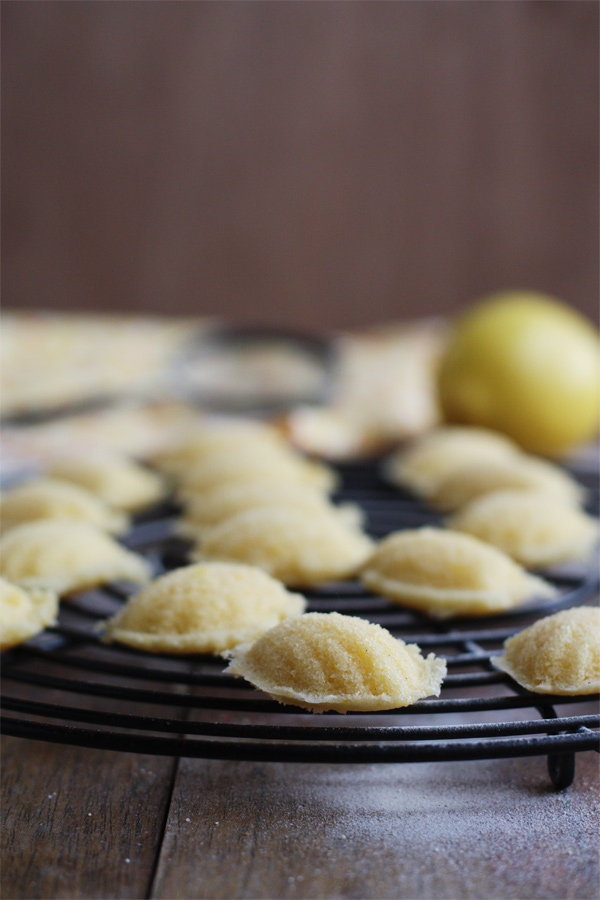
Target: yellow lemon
527, 365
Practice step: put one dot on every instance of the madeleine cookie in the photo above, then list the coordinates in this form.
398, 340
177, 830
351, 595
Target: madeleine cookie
67, 557
296, 546
118, 481
326, 661
24, 613
556, 655
533, 528
50, 498
216, 438
203, 608
428, 460
445, 573
248, 466
519, 473
215, 506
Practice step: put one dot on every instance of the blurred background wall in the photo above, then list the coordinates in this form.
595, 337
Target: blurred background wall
318, 165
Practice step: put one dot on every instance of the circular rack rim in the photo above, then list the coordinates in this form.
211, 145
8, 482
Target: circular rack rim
206, 713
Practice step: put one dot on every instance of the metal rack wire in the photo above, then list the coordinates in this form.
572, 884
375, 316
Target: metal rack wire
66, 687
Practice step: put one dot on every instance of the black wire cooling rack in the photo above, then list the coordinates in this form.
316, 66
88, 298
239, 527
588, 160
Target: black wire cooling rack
66, 687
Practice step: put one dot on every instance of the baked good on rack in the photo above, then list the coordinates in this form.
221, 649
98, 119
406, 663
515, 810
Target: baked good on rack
445, 573
251, 465
117, 480
395, 363
215, 438
23, 613
519, 473
327, 661
559, 654
203, 608
218, 504
428, 460
534, 528
298, 547
51, 498
67, 557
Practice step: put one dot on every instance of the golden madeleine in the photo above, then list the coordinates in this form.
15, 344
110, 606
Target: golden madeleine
252, 465
534, 528
518, 473
203, 608
221, 503
24, 613
67, 557
445, 573
117, 480
429, 459
215, 438
327, 661
51, 498
296, 546
559, 654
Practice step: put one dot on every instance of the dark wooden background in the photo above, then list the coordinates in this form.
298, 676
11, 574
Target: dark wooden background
315, 164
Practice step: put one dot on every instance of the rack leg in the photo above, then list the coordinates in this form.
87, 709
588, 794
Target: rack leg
561, 768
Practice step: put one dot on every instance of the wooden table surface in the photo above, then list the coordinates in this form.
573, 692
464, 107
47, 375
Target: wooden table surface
81, 823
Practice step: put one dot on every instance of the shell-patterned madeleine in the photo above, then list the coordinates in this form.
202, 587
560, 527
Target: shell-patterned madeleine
444, 573
221, 503
204, 608
24, 613
519, 473
428, 460
215, 438
534, 528
67, 557
328, 661
296, 546
118, 481
559, 654
249, 466
52, 498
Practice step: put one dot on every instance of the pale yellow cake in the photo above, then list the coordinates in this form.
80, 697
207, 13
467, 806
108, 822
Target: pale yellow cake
444, 573
52, 498
534, 528
298, 547
215, 506
117, 480
24, 613
556, 655
519, 473
327, 661
67, 557
252, 465
216, 438
429, 459
203, 608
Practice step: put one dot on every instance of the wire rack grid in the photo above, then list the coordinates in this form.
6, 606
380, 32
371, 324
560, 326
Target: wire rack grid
65, 686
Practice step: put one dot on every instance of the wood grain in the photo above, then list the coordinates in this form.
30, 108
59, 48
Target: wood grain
315, 165
80, 823
479, 830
